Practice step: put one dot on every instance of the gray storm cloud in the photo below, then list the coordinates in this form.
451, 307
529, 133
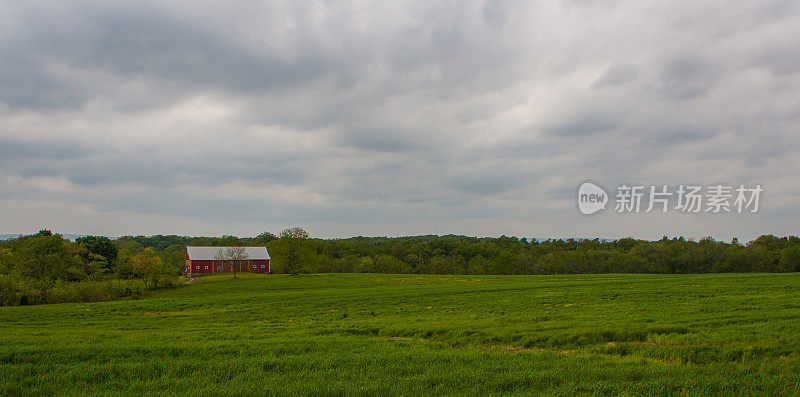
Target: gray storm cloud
476, 117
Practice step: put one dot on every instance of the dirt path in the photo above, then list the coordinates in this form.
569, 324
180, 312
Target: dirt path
189, 281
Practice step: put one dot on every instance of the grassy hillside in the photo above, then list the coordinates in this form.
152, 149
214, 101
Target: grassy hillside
391, 334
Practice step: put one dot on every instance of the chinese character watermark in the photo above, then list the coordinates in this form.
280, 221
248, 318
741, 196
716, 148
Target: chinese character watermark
713, 199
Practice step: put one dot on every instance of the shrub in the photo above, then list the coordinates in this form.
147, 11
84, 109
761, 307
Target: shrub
17, 290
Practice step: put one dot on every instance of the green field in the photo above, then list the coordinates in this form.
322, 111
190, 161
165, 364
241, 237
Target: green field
365, 334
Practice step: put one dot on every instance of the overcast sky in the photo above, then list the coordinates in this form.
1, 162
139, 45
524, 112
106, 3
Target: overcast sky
393, 118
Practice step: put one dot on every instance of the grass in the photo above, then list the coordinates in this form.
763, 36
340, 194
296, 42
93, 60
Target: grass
365, 334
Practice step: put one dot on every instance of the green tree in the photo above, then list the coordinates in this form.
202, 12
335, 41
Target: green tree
147, 265
292, 249
265, 238
99, 245
47, 256
477, 265
790, 259
365, 265
390, 264
96, 266
229, 241
6, 260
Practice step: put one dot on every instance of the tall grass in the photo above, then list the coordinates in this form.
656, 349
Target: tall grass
368, 334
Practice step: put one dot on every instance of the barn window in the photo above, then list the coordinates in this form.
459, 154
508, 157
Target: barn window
197, 267
262, 266
206, 266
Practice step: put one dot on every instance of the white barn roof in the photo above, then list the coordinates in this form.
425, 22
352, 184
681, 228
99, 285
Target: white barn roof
210, 253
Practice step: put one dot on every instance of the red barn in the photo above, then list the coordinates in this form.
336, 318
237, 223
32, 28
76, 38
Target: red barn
205, 260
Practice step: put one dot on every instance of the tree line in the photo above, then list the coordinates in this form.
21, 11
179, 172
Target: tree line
46, 268
293, 251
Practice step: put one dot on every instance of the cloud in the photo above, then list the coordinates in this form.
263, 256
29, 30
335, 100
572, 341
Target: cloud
617, 75
390, 118
16, 150
381, 140
586, 125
